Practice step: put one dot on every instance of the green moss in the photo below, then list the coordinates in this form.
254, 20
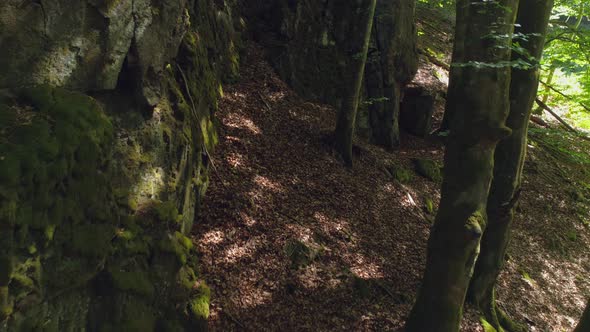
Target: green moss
6, 306
93, 240
429, 169
401, 173
186, 278
49, 232
59, 169
138, 317
474, 224
134, 281
487, 327
61, 273
21, 280
429, 205
199, 305
166, 211
177, 244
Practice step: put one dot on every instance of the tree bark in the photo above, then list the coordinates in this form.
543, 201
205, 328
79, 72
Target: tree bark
478, 98
584, 323
360, 36
532, 21
391, 66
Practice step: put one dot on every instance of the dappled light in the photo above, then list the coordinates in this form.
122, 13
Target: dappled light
241, 122
299, 165
284, 230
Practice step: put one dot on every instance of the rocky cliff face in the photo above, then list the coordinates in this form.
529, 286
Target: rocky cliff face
308, 43
106, 129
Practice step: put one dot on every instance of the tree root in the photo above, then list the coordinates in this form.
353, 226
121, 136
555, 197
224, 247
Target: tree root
498, 319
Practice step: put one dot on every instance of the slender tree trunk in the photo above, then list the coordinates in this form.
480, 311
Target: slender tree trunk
532, 21
391, 66
360, 36
479, 100
456, 73
584, 323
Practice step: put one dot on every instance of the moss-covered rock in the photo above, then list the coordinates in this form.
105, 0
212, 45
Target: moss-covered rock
92, 239
199, 306
136, 281
429, 169
401, 173
300, 253
97, 194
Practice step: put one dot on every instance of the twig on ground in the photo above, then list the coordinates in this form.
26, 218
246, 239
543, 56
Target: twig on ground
234, 319
264, 101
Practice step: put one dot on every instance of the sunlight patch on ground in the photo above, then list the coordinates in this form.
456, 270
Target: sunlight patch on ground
302, 233
235, 96
553, 287
388, 187
237, 251
255, 297
277, 96
248, 220
235, 159
267, 184
239, 121
213, 237
364, 268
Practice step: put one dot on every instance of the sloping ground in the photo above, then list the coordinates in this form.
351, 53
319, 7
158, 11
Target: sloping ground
292, 240
278, 184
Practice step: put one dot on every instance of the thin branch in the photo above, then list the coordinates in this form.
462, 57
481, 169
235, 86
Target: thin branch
562, 121
564, 95
432, 58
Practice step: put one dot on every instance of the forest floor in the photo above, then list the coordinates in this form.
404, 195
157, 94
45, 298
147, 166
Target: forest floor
292, 240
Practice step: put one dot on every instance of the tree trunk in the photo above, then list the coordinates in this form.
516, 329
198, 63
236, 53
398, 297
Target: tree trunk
456, 72
509, 158
391, 66
584, 323
360, 36
479, 100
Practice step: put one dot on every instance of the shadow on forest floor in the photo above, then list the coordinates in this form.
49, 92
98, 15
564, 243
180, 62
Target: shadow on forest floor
364, 233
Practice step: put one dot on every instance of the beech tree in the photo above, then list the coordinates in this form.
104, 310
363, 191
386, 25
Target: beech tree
531, 27
360, 35
479, 100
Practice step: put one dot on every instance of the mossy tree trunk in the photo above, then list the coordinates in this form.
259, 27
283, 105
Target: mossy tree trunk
584, 323
360, 34
532, 21
480, 106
